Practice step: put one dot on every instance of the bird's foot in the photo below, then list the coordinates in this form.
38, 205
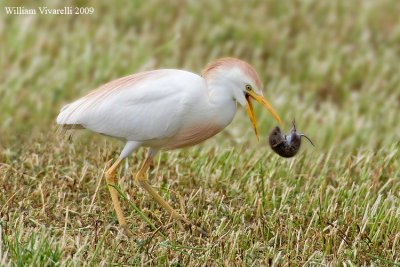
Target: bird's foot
126, 230
198, 229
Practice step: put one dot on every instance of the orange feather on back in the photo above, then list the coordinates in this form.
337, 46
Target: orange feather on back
122, 83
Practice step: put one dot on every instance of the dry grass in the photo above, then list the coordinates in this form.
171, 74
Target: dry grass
331, 64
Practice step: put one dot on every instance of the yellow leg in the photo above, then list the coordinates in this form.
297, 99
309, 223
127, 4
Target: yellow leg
142, 180
110, 175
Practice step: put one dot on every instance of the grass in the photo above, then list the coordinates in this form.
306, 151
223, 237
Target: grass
332, 65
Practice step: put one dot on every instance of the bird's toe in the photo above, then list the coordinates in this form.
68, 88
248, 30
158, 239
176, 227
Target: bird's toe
126, 231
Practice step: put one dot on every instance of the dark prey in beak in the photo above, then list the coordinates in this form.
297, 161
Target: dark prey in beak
286, 146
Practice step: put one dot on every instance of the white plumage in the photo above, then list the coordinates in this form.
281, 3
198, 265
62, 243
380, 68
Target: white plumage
141, 109
167, 109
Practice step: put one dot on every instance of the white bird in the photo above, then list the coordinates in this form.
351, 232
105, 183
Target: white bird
166, 109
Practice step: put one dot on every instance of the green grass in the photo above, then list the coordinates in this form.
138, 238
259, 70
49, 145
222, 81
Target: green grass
332, 65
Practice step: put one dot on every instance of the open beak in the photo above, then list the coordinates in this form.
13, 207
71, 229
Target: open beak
250, 110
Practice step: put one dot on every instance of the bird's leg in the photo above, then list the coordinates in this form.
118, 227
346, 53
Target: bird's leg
142, 180
110, 175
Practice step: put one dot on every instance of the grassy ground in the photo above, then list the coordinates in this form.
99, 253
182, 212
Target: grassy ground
333, 65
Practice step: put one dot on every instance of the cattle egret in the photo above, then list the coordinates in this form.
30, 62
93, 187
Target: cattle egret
166, 109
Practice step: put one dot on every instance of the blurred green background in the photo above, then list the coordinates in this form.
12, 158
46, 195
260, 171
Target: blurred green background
332, 65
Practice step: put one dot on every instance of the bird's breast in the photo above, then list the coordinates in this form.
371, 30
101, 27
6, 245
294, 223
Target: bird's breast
202, 124
194, 134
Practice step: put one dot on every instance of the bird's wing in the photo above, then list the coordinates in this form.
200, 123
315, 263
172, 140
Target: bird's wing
139, 107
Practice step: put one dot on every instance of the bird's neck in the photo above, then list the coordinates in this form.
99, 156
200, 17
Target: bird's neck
220, 95
223, 88
222, 102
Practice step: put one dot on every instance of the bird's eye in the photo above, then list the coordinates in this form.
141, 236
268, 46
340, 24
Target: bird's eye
248, 87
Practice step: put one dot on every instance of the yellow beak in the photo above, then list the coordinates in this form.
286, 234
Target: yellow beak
250, 110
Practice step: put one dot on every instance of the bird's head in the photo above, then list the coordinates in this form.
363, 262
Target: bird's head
244, 83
